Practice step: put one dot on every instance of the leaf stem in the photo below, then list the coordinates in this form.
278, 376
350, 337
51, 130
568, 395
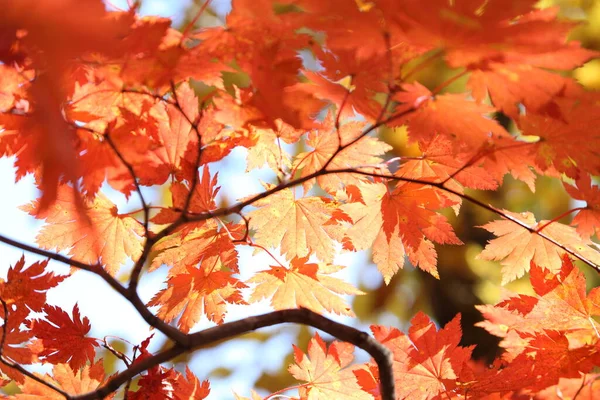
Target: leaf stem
561, 216
189, 26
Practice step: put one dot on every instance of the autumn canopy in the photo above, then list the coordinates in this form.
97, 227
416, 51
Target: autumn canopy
361, 154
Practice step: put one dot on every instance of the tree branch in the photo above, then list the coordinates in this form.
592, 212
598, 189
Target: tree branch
228, 330
151, 319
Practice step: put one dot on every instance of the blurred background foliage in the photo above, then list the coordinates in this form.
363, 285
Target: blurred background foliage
464, 280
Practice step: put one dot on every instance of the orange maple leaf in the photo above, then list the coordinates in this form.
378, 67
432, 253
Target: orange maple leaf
562, 305
587, 219
196, 292
427, 363
544, 358
202, 200
105, 236
156, 384
44, 135
188, 387
299, 227
268, 147
562, 131
363, 78
264, 44
175, 135
205, 245
586, 387
64, 340
482, 168
327, 371
516, 246
306, 285
326, 140
451, 115
74, 382
402, 222
470, 32
510, 85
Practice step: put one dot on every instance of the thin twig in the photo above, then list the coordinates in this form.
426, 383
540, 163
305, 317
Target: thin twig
561, 216
189, 26
138, 188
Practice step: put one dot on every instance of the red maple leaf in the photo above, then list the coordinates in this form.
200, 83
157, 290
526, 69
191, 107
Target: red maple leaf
64, 339
427, 363
26, 287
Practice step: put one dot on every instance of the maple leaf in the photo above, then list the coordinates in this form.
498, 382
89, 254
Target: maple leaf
355, 27
327, 371
201, 201
559, 135
63, 338
26, 288
14, 340
326, 140
427, 363
268, 147
545, 358
196, 292
398, 223
45, 136
156, 384
12, 85
206, 245
510, 85
264, 45
74, 382
175, 135
471, 32
587, 219
516, 246
189, 387
105, 236
483, 168
451, 115
562, 304
299, 225
166, 383
304, 284
352, 82
582, 388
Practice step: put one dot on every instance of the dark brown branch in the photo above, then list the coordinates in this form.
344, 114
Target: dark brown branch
151, 319
209, 336
53, 256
